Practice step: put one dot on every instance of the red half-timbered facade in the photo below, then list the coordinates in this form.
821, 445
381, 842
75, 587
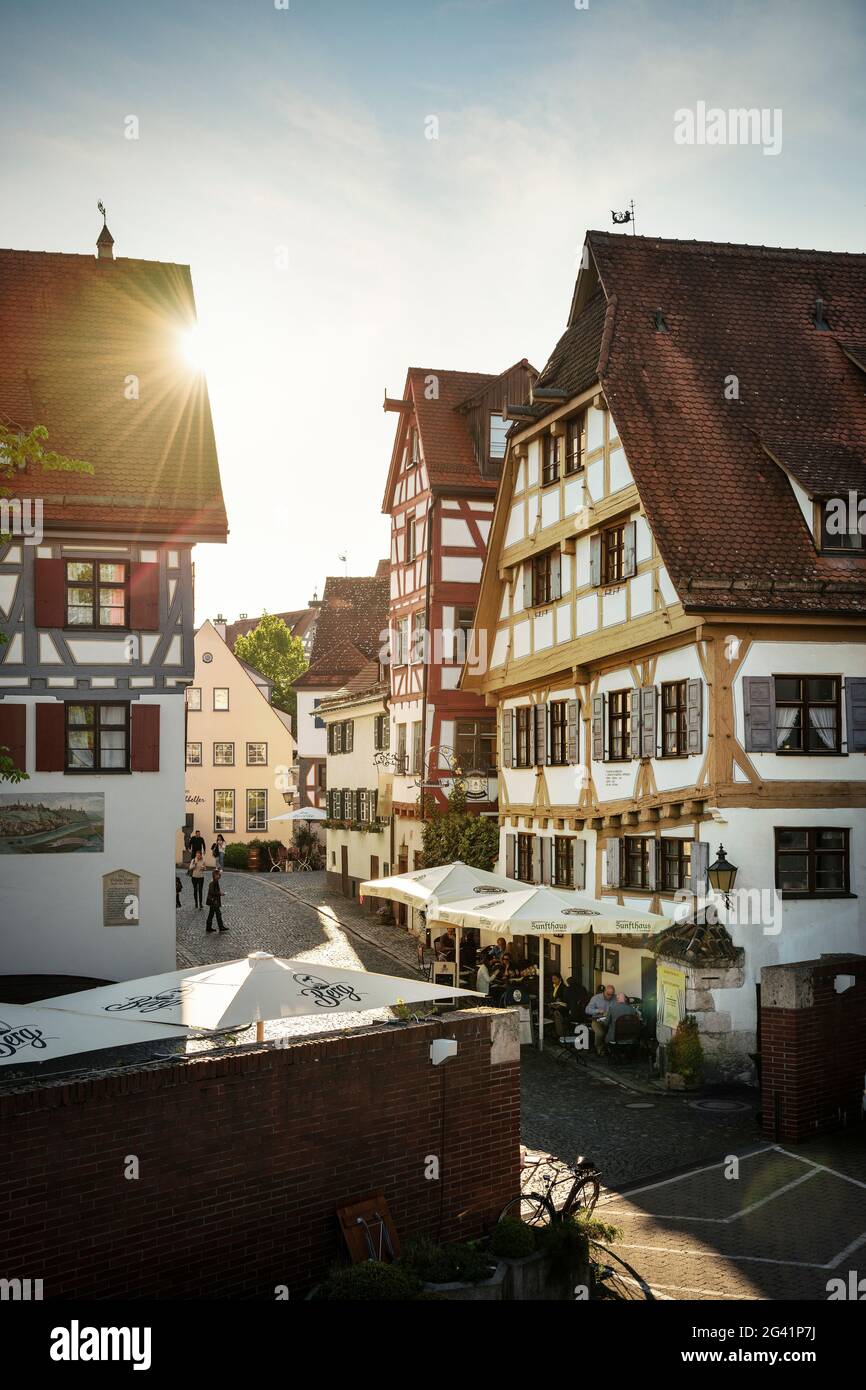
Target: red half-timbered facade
445, 467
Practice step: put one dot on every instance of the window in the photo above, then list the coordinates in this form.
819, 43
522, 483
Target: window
257, 754
674, 719
559, 732
402, 767
612, 554
224, 810
416, 747
464, 622
413, 456
523, 742
813, 862
675, 863
807, 714
410, 536
542, 587
618, 726
636, 869
476, 745
257, 810
401, 641
498, 432
363, 805
221, 697
193, 755
575, 444
96, 593
318, 723
562, 861
552, 445
97, 738
336, 803
193, 697
839, 530
321, 776
223, 755
524, 858
381, 732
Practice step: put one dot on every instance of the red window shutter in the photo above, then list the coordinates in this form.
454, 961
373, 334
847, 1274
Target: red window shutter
144, 597
50, 576
50, 737
145, 738
13, 733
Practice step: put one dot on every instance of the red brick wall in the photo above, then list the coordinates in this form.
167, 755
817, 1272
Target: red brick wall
813, 1059
243, 1160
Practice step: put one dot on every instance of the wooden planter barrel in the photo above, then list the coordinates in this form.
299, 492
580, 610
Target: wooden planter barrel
253, 860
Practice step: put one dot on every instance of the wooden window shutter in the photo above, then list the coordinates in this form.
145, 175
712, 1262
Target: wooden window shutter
527, 584
695, 716
144, 738
612, 863
573, 731
634, 723
653, 857
330, 738
759, 708
648, 704
144, 597
855, 702
350, 735
629, 549
510, 854
595, 560
598, 728
544, 847
50, 589
700, 862
555, 575
374, 804
386, 731
537, 858
507, 737
578, 863
13, 733
50, 738
330, 803
542, 752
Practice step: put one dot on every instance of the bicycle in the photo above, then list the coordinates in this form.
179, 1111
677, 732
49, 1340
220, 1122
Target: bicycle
540, 1207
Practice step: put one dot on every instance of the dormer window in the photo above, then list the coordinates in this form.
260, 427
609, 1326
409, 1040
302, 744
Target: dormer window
840, 523
498, 431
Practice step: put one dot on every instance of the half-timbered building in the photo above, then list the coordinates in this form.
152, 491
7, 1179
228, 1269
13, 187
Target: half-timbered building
97, 611
675, 617
445, 467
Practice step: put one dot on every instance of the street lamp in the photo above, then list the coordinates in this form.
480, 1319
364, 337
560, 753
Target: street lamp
722, 875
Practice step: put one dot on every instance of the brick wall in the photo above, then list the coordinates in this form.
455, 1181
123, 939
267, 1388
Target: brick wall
813, 1046
244, 1158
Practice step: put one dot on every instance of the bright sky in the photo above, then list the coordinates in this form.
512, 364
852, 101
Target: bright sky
283, 154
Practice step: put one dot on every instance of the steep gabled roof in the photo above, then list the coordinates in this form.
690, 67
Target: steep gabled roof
92, 350
349, 632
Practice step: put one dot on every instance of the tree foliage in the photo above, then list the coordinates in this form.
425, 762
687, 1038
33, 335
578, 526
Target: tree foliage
272, 650
459, 834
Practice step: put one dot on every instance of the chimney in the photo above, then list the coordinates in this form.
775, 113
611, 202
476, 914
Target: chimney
105, 241
219, 625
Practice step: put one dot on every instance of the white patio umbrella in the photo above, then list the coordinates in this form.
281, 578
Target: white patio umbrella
302, 813
542, 911
253, 989
34, 1033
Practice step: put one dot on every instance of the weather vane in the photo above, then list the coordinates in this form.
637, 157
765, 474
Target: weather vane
102, 210
619, 218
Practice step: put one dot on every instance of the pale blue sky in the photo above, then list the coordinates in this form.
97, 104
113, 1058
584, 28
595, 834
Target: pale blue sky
282, 154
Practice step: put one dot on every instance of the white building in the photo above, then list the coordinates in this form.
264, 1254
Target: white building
358, 828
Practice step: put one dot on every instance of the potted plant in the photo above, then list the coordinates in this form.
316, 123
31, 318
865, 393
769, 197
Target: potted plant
459, 1271
371, 1280
517, 1246
684, 1069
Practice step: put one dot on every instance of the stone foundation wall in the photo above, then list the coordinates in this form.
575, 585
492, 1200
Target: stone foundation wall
726, 1050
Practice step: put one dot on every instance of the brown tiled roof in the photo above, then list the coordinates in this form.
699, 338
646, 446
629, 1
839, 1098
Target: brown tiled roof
352, 619
73, 331
297, 621
573, 364
364, 686
446, 440
725, 516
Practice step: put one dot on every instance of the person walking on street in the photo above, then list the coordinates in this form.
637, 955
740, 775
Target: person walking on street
214, 899
177, 887
196, 843
196, 872
218, 849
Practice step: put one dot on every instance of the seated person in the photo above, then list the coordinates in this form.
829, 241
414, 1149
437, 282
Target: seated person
445, 945
558, 1004
488, 976
596, 1012
620, 1008
578, 998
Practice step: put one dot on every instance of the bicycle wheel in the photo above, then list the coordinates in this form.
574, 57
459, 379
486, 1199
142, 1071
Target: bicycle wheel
530, 1208
586, 1192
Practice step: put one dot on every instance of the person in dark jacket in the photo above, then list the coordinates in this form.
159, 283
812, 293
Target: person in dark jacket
177, 887
558, 1003
196, 843
214, 899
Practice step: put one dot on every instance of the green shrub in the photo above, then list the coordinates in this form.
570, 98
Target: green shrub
565, 1245
685, 1053
513, 1239
445, 1264
236, 856
371, 1280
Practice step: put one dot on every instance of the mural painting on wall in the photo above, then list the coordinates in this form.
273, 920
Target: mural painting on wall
52, 823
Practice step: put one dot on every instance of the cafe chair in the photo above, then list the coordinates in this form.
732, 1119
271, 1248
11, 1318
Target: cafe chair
626, 1040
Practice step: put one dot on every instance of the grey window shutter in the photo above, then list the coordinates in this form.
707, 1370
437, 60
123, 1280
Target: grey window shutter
527, 584
598, 728
578, 863
595, 560
700, 862
653, 864
629, 549
386, 731
531, 737
542, 752
759, 708
648, 704
545, 847
556, 575
350, 735
695, 716
507, 738
573, 731
613, 861
373, 803
855, 700
330, 802
634, 724
510, 854
537, 858
377, 734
